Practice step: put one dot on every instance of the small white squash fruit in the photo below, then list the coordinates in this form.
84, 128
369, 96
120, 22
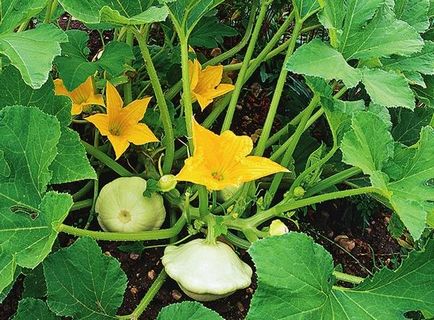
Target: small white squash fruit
122, 207
206, 271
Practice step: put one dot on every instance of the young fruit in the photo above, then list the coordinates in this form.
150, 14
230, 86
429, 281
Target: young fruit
121, 206
228, 192
167, 182
278, 228
205, 271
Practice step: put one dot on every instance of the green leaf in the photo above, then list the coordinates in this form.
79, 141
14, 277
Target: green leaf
187, 310
33, 51
14, 91
121, 12
29, 217
74, 66
320, 60
422, 61
332, 14
388, 88
189, 12
71, 163
426, 95
306, 7
409, 123
98, 291
15, 12
33, 309
384, 36
209, 33
5, 170
369, 144
410, 190
339, 114
34, 283
414, 12
305, 290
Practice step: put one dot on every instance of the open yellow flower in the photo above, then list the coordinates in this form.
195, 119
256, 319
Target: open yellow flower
82, 96
220, 161
205, 84
121, 125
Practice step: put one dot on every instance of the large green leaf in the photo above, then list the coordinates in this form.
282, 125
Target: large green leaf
422, 61
388, 89
14, 12
71, 163
29, 216
295, 282
187, 310
414, 12
426, 95
369, 144
187, 13
120, 12
382, 37
83, 283
209, 33
33, 51
410, 188
306, 7
74, 66
33, 309
320, 60
409, 123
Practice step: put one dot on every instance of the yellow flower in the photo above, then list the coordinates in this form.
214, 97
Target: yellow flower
205, 84
220, 161
82, 96
121, 125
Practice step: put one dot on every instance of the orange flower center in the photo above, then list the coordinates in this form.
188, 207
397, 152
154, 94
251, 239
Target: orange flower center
115, 129
217, 176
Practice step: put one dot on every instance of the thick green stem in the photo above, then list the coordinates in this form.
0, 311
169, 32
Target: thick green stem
266, 130
51, 7
128, 92
169, 140
291, 148
118, 236
149, 296
105, 159
186, 94
241, 76
347, 277
83, 191
78, 205
333, 180
280, 208
203, 201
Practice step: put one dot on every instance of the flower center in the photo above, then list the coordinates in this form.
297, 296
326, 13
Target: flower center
217, 176
115, 129
124, 216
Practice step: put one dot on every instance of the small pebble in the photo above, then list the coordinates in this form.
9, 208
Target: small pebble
249, 290
108, 254
151, 274
134, 256
240, 306
176, 295
134, 290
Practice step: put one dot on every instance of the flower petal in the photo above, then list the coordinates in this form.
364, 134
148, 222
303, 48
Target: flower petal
252, 168
234, 149
196, 171
194, 69
76, 108
119, 143
135, 111
101, 122
114, 101
60, 89
223, 89
204, 101
210, 77
140, 134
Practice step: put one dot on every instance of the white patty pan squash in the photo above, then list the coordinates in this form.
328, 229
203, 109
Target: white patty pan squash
121, 206
204, 271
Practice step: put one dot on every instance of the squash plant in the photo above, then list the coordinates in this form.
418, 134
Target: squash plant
151, 108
